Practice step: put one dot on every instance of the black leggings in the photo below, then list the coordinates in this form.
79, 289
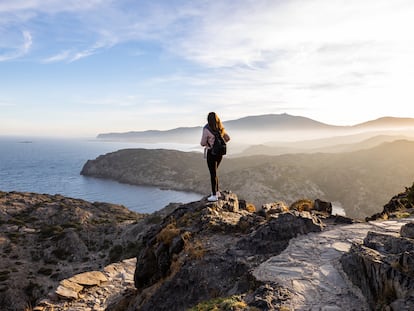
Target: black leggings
213, 162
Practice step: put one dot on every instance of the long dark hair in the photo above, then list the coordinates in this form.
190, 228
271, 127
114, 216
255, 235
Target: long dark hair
214, 123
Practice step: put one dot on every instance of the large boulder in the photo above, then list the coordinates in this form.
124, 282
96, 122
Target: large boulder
400, 205
383, 268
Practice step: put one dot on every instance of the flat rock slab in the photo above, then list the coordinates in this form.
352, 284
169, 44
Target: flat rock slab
113, 283
90, 278
311, 269
67, 292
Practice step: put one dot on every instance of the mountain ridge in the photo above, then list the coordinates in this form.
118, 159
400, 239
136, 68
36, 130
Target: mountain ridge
266, 122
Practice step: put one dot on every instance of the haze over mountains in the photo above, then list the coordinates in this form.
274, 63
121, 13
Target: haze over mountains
283, 133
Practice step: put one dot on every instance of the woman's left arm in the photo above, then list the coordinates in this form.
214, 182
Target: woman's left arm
204, 137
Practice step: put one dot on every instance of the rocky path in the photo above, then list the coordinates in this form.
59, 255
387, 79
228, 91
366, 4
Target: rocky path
310, 267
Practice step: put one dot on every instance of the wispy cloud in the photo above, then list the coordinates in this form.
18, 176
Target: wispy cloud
309, 50
19, 49
51, 6
29, 13
225, 33
62, 56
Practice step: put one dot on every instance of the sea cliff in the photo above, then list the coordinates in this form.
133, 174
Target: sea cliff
361, 181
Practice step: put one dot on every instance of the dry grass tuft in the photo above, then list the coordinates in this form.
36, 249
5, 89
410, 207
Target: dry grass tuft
302, 205
195, 249
250, 208
168, 233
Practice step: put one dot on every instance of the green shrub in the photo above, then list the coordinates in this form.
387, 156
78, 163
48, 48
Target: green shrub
224, 304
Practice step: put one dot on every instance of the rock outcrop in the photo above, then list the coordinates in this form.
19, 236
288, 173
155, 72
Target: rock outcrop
204, 250
198, 252
47, 238
401, 205
382, 266
201, 255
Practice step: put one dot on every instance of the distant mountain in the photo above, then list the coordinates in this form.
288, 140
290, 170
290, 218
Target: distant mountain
333, 144
271, 122
387, 122
276, 126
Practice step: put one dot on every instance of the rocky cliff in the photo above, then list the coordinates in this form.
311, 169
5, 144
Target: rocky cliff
203, 252
45, 239
226, 255
362, 181
382, 265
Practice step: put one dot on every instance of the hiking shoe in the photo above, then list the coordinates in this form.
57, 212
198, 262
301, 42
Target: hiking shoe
212, 198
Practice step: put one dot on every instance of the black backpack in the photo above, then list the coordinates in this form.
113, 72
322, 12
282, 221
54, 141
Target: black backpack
219, 146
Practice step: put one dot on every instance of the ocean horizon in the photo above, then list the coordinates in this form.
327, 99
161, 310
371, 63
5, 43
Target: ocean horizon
53, 165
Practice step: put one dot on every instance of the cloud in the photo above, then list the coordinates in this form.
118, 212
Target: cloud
16, 51
62, 56
47, 17
254, 32
322, 54
50, 6
224, 33
87, 27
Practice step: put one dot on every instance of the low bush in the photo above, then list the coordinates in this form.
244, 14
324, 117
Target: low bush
225, 304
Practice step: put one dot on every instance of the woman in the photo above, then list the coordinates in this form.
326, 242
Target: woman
213, 161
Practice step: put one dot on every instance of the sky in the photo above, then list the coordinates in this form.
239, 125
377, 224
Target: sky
79, 68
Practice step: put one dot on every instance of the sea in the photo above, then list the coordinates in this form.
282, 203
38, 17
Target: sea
52, 166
